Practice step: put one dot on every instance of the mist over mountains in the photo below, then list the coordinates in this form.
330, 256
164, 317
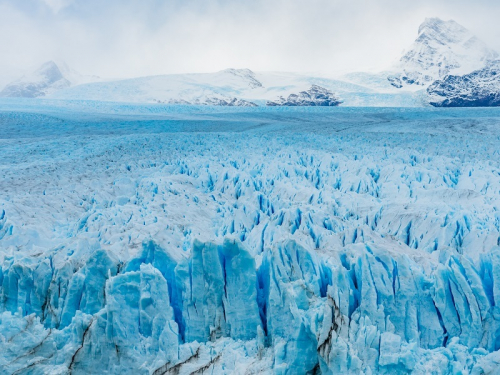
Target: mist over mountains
442, 49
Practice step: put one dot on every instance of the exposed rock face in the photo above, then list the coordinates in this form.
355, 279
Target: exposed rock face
225, 102
480, 88
441, 48
231, 102
315, 96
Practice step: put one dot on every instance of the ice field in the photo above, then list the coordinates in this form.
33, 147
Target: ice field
152, 239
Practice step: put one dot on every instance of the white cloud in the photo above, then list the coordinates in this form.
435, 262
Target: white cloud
57, 5
126, 38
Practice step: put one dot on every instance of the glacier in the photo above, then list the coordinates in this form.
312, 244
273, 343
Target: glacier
157, 239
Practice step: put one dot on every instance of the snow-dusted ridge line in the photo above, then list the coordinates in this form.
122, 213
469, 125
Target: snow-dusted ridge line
480, 88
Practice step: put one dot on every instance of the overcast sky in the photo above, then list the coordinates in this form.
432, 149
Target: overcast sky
129, 38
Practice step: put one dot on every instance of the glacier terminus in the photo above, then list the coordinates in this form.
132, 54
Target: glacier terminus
179, 239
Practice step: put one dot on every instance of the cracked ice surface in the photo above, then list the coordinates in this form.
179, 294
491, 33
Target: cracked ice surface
162, 240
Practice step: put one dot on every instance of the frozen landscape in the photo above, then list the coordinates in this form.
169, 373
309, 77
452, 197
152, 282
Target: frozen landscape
238, 188
159, 239
446, 66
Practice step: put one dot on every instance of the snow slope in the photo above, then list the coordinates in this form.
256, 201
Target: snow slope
441, 48
170, 239
230, 84
47, 79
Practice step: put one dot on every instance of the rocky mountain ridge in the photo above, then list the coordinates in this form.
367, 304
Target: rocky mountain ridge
480, 88
315, 96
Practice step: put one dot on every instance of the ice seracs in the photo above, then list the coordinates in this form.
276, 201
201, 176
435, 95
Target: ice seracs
441, 48
315, 96
47, 79
152, 239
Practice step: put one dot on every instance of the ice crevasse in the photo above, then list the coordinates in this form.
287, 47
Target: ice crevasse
197, 255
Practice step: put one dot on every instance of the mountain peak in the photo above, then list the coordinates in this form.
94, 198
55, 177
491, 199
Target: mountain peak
49, 77
443, 32
48, 65
430, 22
48, 71
441, 48
435, 23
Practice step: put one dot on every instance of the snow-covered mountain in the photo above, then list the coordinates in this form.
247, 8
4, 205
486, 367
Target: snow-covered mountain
220, 88
441, 48
47, 79
480, 88
236, 86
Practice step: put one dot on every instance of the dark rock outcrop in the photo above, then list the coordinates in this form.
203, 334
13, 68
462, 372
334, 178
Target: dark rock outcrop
224, 102
315, 96
480, 88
